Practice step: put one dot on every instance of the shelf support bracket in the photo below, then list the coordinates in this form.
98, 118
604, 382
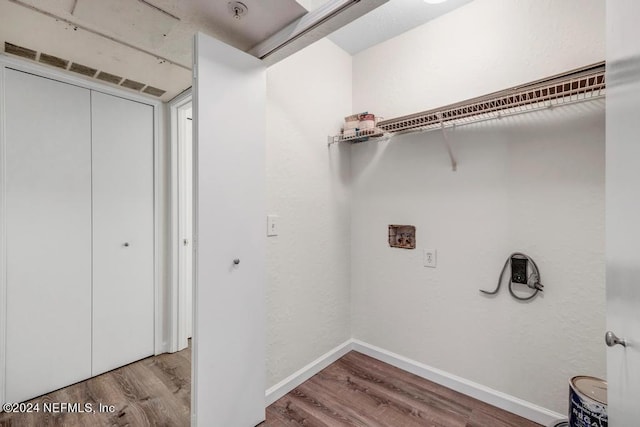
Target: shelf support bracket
454, 163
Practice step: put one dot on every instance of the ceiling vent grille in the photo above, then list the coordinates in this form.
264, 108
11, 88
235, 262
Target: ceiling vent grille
132, 84
54, 61
109, 78
20, 51
84, 70
154, 91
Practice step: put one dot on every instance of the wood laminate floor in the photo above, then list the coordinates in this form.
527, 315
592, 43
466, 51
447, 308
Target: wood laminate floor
360, 391
155, 391
354, 391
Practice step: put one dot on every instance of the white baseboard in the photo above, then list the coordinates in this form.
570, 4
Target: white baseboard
496, 398
294, 380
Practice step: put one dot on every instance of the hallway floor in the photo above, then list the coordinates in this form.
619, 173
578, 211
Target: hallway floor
354, 391
155, 391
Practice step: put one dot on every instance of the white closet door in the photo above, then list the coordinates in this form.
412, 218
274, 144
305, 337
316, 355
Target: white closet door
622, 211
229, 343
123, 293
48, 214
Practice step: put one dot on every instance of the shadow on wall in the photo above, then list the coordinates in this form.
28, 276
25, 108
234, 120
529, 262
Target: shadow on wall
370, 155
340, 162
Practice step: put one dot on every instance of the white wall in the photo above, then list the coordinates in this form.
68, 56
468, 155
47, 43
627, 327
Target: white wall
482, 47
308, 268
532, 183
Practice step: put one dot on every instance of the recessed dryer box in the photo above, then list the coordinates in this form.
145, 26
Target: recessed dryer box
402, 236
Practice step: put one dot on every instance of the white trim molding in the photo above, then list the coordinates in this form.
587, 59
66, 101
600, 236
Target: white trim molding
3, 269
159, 219
485, 394
174, 314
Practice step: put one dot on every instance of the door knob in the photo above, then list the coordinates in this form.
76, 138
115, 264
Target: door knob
126, 244
236, 261
611, 339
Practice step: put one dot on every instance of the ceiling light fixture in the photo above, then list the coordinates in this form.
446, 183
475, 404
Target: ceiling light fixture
237, 9
434, 1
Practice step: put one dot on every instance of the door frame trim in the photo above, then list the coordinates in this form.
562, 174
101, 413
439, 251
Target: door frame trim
174, 240
3, 243
159, 197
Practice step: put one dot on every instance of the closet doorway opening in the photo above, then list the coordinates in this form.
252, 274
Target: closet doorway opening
182, 150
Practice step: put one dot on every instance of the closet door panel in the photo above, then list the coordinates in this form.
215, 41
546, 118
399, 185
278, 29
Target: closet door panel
48, 217
229, 340
123, 291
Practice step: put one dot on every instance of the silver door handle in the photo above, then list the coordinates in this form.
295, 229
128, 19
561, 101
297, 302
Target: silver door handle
126, 244
236, 261
611, 339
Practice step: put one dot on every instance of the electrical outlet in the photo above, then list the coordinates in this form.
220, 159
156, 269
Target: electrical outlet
519, 270
430, 258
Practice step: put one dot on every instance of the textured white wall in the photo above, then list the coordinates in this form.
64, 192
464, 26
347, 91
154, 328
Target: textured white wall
533, 183
308, 267
482, 47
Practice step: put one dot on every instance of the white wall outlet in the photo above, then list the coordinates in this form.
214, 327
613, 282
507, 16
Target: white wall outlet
430, 258
272, 225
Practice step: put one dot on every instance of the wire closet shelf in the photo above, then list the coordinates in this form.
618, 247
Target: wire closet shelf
584, 84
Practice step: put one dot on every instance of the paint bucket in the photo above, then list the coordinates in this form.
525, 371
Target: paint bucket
587, 402
560, 423
367, 121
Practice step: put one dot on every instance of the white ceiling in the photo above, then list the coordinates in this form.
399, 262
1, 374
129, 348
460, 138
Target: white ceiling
387, 21
150, 41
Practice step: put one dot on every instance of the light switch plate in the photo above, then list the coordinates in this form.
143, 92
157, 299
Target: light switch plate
272, 225
430, 258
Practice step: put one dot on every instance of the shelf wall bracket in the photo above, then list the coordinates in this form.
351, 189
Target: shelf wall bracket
447, 143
